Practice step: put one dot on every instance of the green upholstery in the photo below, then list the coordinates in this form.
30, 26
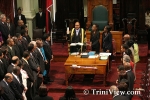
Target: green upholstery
100, 16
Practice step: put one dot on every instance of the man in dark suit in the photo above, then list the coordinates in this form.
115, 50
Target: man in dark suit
40, 19
24, 40
14, 62
10, 44
34, 66
19, 16
16, 48
4, 28
130, 77
8, 93
11, 27
19, 26
16, 85
20, 44
48, 53
30, 80
115, 93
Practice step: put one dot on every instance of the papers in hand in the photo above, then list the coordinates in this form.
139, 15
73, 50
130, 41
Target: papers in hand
75, 44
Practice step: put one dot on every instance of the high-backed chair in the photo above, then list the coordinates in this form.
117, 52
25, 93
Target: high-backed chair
100, 16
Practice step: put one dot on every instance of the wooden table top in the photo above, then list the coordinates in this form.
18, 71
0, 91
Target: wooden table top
77, 60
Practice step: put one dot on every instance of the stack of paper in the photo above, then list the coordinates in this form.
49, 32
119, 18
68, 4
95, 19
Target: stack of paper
75, 53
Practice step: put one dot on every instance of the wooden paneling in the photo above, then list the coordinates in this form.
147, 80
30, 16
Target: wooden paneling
116, 35
92, 3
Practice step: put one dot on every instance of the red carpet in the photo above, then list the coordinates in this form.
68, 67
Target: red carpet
57, 88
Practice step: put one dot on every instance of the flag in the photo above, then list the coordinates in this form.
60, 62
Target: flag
49, 3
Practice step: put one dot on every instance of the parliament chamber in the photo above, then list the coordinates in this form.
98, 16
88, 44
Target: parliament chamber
110, 41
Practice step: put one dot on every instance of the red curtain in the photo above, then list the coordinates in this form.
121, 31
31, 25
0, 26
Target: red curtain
6, 7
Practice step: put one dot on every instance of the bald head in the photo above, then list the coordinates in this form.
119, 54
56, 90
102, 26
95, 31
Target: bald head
114, 90
15, 60
126, 37
8, 77
20, 22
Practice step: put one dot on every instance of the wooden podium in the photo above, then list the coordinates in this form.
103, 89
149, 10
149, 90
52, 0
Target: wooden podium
116, 35
87, 66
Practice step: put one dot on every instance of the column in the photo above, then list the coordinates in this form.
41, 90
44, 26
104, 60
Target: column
28, 11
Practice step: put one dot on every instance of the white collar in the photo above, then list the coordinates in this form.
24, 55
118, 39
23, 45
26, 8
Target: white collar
25, 60
16, 77
5, 81
13, 64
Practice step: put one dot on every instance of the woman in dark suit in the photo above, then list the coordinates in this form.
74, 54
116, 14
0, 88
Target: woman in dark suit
95, 35
107, 40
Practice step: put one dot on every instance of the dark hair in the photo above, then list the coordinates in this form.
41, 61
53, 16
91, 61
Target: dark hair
23, 31
30, 47
16, 69
128, 52
4, 49
45, 36
108, 28
26, 54
121, 67
18, 9
18, 35
69, 93
43, 91
97, 26
122, 86
125, 46
130, 43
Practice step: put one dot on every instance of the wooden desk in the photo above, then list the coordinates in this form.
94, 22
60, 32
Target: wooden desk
88, 66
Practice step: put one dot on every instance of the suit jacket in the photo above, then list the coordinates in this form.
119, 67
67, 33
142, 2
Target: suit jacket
8, 93
17, 88
17, 51
25, 43
6, 63
33, 64
95, 40
18, 29
48, 50
17, 18
40, 20
4, 30
120, 97
11, 29
21, 47
27, 68
39, 59
130, 77
11, 52
107, 42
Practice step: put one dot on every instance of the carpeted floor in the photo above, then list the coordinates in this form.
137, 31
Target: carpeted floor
57, 88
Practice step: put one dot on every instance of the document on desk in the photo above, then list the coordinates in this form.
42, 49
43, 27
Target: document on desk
93, 56
103, 57
75, 53
104, 54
